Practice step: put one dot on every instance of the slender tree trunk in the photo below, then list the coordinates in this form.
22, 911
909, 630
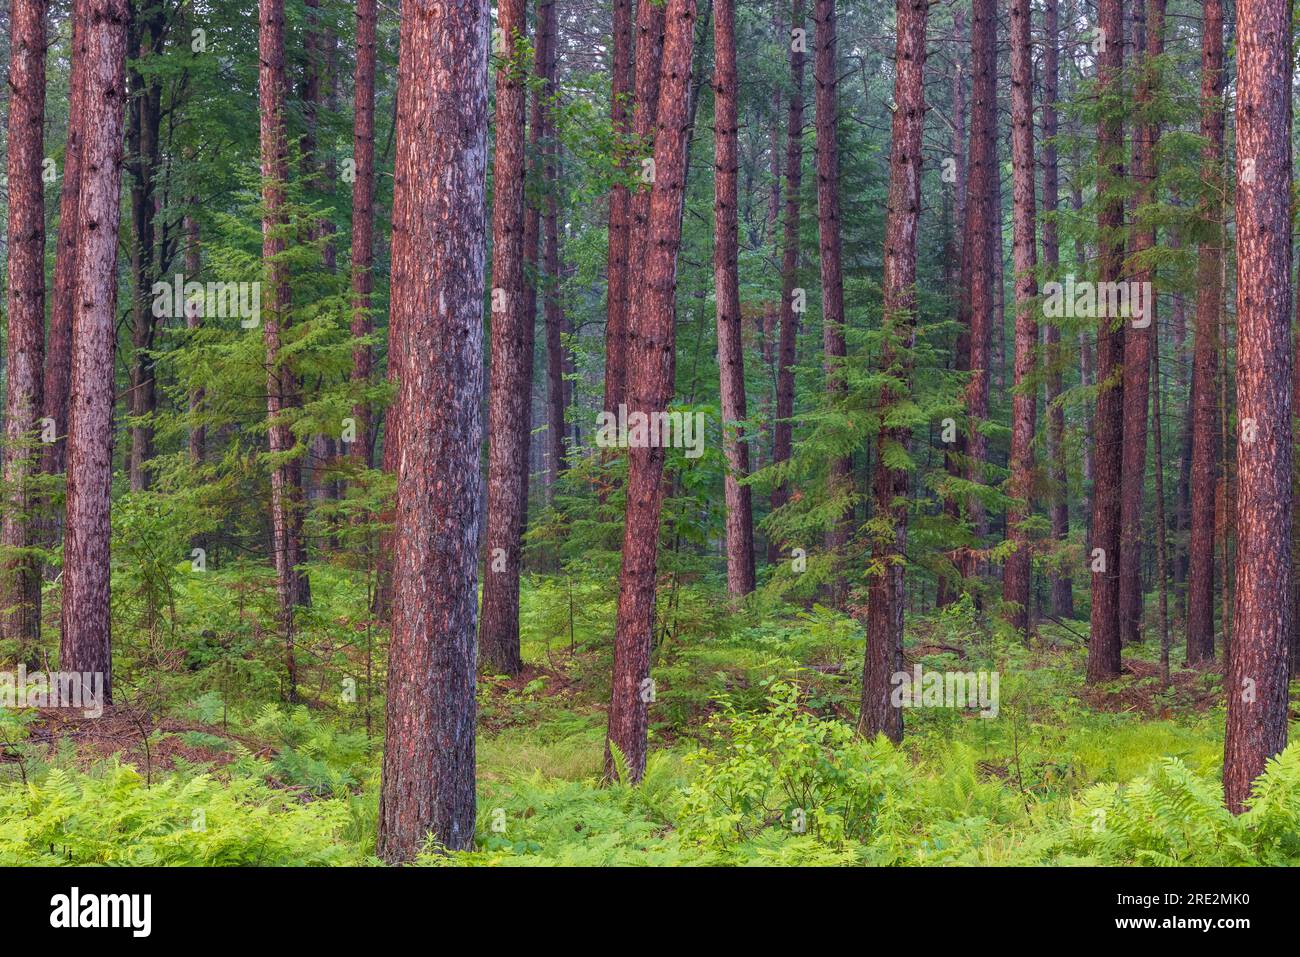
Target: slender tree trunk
982, 232
731, 349
58, 355
363, 219
1256, 682
1162, 556
620, 224
439, 222
834, 348
1062, 586
556, 357
783, 430
884, 654
649, 388
85, 640
1017, 571
1104, 640
1205, 372
20, 574
281, 386
510, 388
193, 322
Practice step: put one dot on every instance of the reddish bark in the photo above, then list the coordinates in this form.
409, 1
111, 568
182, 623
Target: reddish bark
1104, 641
620, 223
20, 574
825, 67
556, 358
884, 653
363, 218
1062, 587
731, 351
86, 642
511, 381
1205, 373
1017, 571
649, 388
437, 303
1256, 682
782, 432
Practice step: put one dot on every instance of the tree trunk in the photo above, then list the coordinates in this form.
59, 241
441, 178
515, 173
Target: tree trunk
1018, 569
281, 386
731, 349
20, 574
620, 224
649, 388
834, 348
1104, 640
1062, 585
1205, 373
884, 654
363, 219
194, 321
1256, 682
982, 230
510, 388
58, 355
86, 643
439, 221
556, 358
783, 430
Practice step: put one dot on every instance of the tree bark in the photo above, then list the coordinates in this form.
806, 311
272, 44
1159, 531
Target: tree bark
834, 347
783, 430
731, 350
439, 221
281, 386
363, 219
86, 642
620, 223
649, 388
1062, 585
1018, 569
510, 387
557, 388
20, 574
1104, 640
884, 654
1256, 682
1205, 372
194, 321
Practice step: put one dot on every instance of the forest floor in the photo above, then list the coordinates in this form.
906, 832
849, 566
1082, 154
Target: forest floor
754, 754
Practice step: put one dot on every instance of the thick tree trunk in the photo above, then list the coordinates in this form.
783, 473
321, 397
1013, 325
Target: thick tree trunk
281, 386
834, 348
1256, 682
510, 388
20, 574
982, 244
1062, 597
1205, 373
884, 654
1018, 570
363, 219
783, 430
649, 388
731, 348
1104, 640
86, 643
620, 223
439, 221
